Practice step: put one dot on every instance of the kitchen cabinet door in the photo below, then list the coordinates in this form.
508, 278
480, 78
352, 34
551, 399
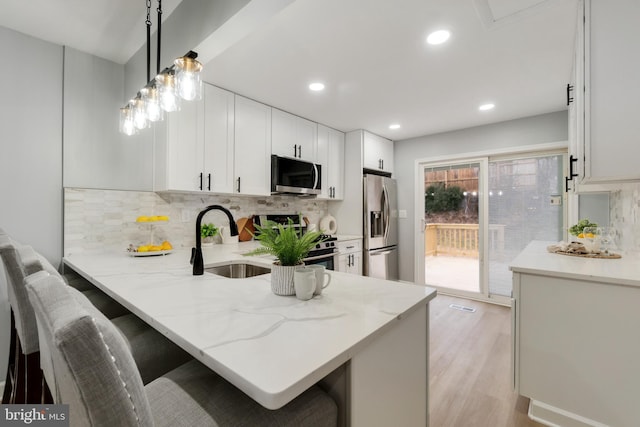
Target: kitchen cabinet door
195, 146
178, 149
378, 153
252, 148
218, 140
293, 136
350, 263
350, 259
611, 94
331, 158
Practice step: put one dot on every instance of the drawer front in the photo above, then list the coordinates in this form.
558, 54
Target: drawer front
350, 246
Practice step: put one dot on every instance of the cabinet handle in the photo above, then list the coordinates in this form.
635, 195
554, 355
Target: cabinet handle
200, 181
569, 97
238, 184
572, 160
350, 247
209, 183
566, 184
331, 192
295, 150
299, 151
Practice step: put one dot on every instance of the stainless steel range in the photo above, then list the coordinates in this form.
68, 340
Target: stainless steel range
325, 253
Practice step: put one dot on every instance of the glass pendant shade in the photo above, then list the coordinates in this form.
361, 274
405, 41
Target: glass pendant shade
167, 92
126, 121
139, 113
152, 106
188, 80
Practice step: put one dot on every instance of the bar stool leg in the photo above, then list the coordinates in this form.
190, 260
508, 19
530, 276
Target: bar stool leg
10, 381
33, 378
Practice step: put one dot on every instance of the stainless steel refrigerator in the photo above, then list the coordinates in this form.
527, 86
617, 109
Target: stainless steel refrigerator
380, 227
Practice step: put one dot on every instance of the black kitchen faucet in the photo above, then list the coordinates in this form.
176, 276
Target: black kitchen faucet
196, 253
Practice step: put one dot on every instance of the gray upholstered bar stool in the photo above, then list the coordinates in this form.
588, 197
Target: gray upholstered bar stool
98, 379
24, 379
154, 353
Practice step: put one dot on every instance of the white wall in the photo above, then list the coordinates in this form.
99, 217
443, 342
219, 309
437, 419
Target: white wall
30, 153
544, 128
96, 154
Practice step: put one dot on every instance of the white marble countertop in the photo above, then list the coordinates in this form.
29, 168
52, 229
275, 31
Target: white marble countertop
343, 237
271, 347
535, 259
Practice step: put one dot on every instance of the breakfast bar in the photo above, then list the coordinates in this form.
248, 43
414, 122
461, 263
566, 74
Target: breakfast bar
273, 347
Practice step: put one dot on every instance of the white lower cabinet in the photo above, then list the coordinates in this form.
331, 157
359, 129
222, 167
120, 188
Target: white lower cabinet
350, 258
252, 150
575, 345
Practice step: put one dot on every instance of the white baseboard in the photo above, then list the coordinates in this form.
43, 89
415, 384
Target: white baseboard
556, 417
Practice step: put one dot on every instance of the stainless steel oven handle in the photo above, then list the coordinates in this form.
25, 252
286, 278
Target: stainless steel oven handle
313, 258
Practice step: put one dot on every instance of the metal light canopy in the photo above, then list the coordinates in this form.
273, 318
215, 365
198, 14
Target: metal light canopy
163, 93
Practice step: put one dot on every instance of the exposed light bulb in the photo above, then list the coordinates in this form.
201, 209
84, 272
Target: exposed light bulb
152, 106
188, 81
126, 121
139, 113
166, 82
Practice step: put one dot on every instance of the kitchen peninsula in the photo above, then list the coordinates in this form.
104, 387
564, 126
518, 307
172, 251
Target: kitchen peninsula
575, 345
367, 338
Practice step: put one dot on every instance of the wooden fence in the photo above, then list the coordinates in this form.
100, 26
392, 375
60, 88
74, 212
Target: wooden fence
459, 239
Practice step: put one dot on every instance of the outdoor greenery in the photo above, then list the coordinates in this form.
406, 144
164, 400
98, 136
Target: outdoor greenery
439, 198
287, 244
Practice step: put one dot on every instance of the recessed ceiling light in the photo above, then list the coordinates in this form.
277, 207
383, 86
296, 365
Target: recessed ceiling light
394, 126
486, 107
316, 87
438, 37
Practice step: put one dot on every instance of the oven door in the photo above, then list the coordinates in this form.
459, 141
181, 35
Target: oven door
328, 258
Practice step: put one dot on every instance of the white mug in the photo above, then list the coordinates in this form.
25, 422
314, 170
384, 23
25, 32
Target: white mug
304, 282
320, 278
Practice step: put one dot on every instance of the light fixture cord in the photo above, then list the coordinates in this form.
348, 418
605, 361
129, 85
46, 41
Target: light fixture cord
148, 24
159, 35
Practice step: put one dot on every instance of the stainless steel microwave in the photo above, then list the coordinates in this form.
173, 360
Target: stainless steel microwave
292, 176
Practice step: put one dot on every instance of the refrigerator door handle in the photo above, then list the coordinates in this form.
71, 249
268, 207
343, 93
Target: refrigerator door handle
386, 213
379, 253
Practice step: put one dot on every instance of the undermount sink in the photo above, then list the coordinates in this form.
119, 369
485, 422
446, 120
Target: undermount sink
238, 270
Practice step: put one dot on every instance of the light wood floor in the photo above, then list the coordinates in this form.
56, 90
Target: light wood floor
469, 372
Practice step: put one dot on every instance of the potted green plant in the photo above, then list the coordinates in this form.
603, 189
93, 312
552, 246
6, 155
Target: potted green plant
290, 246
208, 232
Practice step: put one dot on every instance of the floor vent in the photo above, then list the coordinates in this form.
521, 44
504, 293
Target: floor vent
462, 308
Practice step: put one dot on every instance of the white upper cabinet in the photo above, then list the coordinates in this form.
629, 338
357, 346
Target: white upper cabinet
293, 136
252, 161
606, 142
331, 158
194, 146
378, 153
218, 140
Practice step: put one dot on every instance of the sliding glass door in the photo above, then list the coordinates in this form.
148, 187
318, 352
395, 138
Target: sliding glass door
525, 204
478, 214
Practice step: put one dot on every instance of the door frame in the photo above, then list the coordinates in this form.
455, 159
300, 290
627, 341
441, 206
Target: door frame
551, 148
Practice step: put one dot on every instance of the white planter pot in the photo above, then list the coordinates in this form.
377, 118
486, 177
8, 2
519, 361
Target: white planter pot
282, 279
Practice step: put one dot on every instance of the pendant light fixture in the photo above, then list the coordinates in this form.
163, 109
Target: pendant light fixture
182, 80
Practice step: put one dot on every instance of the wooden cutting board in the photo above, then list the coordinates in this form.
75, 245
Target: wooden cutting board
245, 229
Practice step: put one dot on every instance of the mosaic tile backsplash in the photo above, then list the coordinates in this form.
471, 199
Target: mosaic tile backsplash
106, 219
625, 217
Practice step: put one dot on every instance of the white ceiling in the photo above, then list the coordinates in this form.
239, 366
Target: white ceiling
371, 55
